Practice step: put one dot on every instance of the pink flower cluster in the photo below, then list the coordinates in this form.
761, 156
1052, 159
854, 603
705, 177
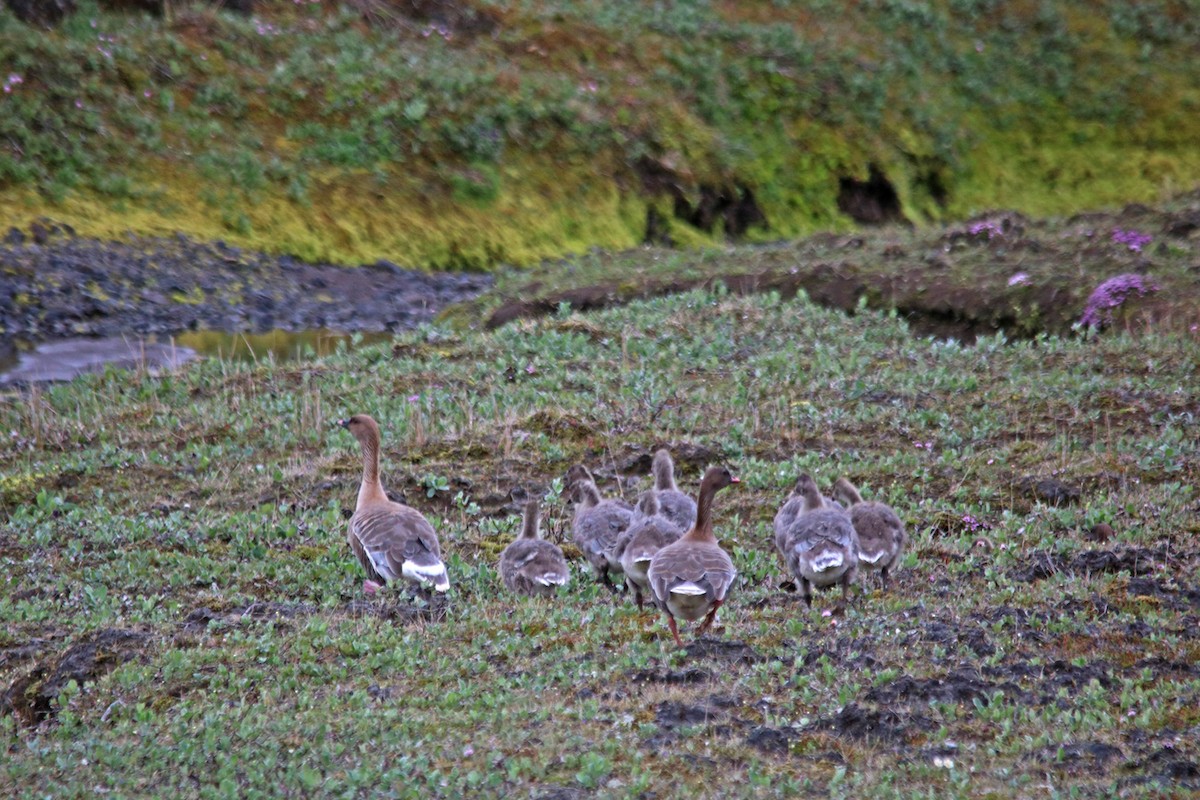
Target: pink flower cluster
440, 30
11, 81
265, 28
1111, 294
1134, 240
987, 226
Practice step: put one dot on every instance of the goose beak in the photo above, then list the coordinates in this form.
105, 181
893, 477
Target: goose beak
345, 423
735, 479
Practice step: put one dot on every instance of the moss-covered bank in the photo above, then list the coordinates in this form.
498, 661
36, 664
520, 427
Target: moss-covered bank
469, 134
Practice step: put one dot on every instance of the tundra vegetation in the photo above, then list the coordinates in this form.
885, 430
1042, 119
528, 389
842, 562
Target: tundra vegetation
180, 613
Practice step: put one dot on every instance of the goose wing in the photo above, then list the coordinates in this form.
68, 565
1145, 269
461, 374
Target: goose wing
394, 541
691, 566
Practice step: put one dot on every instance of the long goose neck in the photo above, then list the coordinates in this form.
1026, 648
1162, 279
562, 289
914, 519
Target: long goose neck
588, 495
371, 489
529, 529
812, 496
847, 491
703, 531
664, 471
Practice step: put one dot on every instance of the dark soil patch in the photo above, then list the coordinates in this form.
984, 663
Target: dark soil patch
203, 616
957, 687
771, 740
689, 675
60, 285
1166, 591
32, 697
1080, 756
856, 722
724, 651
673, 715
1041, 564
1046, 679
404, 610
952, 636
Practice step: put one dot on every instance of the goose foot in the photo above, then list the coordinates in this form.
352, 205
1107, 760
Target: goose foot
708, 619
674, 631
370, 587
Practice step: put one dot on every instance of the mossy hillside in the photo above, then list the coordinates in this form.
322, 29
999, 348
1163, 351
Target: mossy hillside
528, 131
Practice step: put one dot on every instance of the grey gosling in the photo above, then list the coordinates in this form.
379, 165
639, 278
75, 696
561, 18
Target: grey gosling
820, 546
531, 565
691, 577
648, 533
596, 527
881, 534
392, 541
675, 505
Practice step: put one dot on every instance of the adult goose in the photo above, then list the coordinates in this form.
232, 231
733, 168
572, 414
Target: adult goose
675, 505
691, 577
820, 545
531, 565
648, 532
392, 541
881, 534
595, 529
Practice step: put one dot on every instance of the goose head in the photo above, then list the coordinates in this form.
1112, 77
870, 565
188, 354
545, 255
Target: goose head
364, 428
578, 474
585, 495
717, 478
806, 488
647, 505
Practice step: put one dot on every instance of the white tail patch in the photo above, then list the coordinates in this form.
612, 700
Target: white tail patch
432, 573
827, 561
551, 579
643, 560
870, 558
689, 588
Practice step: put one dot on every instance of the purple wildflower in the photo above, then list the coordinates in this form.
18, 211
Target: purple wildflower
1111, 294
987, 226
1134, 240
1019, 279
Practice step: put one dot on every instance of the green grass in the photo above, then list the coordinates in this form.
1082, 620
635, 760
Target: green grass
204, 512
514, 131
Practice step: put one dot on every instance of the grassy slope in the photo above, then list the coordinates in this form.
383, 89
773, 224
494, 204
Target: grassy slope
204, 511
525, 129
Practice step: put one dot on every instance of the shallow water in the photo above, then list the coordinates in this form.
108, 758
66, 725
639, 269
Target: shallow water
64, 359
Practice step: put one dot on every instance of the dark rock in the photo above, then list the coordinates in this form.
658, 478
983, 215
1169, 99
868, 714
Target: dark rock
46, 13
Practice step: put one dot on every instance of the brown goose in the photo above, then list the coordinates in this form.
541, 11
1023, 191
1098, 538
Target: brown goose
597, 525
690, 577
881, 534
675, 505
531, 565
819, 544
392, 540
648, 532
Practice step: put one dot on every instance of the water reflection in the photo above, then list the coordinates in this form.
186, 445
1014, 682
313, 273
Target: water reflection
276, 345
64, 359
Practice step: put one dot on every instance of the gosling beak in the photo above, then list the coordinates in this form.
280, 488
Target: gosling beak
735, 479
345, 423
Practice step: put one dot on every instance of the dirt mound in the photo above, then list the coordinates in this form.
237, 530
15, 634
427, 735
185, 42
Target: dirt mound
32, 698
